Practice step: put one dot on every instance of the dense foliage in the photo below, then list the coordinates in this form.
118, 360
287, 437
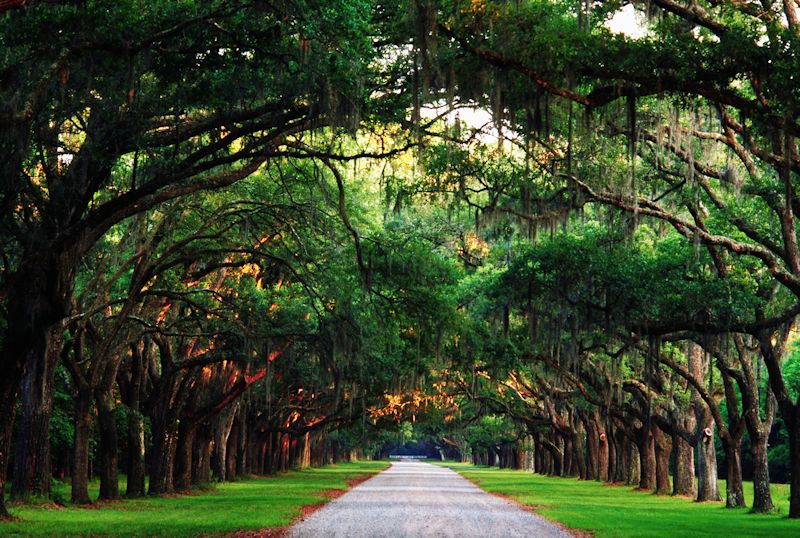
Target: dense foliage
243, 236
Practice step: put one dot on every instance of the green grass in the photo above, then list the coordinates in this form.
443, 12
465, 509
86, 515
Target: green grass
621, 511
254, 503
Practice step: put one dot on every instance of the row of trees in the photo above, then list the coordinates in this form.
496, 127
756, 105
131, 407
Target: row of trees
184, 293
214, 237
640, 295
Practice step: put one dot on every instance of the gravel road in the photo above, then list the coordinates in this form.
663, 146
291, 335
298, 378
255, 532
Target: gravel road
420, 499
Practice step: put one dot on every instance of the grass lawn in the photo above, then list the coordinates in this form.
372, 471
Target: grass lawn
253, 503
620, 511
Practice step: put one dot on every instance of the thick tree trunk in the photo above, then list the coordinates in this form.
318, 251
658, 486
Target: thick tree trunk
135, 466
633, 472
8, 396
602, 449
579, 454
592, 449
80, 452
231, 451
183, 455
136, 456
734, 494
223, 423
624, 465
201, 471
706, 457
683, 479
32, 472
568, 465
38, 298
647, 459
762, 498
108, 459
708, 488
611, 445
663, 449
162, 457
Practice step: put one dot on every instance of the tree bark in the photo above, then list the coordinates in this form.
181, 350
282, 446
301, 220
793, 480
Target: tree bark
8, 396
647, 459
80, 457
592, 448
230, 454
223, 423
136, 456
162, 458
32, 471
663, 449
38, 296
734, 490
708, 487
108, 458
201, 472
634, 469
579, 453
683, 479
762, 497
602, 449
136, 446
611, 445
183, 455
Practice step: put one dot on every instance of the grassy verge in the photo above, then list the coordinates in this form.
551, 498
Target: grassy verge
619, 511
253, 503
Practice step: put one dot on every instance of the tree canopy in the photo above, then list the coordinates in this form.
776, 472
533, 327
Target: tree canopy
243, 236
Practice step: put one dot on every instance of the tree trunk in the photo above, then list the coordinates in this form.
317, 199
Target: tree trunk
162, 460
108, 459
734, 491
32, 472
80, 454
136, 456
762, 497
647, 459
634, 470
611, 444
201, 472
683, 479
223, 424
568, 460
183, 455
230, 454
592, 449
579, 454
38, 296
602, 449
9, 382
663, 449
708, 488
624, 465
130, 385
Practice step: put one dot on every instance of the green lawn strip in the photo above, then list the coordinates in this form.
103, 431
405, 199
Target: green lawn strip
620, 511
249, 504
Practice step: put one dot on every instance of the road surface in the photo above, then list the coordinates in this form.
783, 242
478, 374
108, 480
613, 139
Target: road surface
419, 499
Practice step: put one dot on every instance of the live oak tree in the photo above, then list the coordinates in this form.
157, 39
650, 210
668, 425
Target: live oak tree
212, 218
110, 109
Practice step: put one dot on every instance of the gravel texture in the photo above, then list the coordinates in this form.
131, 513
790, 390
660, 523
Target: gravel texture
420, 499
